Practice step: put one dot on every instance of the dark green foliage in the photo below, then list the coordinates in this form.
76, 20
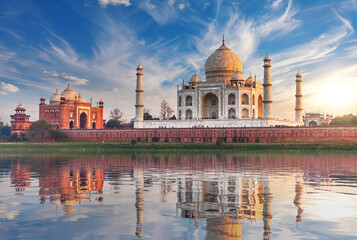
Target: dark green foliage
14, 137
133, 142
172, 118
112, 123
5, 129
58, 135
39, 131
147, 116
345, 120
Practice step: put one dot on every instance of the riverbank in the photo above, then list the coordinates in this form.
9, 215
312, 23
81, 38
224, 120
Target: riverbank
159, 146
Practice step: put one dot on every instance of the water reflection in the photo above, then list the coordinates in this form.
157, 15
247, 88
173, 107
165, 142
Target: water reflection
224, 196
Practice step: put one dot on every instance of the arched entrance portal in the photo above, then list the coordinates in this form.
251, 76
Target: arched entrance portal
94, 125
71, 124
312, 124
260, 106
209, 106
83, 120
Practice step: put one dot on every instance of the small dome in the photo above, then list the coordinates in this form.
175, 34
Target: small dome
81, 99
101, 101
42, 98
139, 67
267, 58
69, 94
195, 78
237, 77
223, 62
20, 107
298, 74
56, 98
249, 81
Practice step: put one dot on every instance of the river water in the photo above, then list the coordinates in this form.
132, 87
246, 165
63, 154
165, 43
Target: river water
179, 196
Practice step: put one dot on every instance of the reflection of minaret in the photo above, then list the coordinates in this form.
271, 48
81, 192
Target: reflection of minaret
299, 189
267, 216
139, 202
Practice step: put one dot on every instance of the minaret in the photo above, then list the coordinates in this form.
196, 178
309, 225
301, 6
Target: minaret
298, 105
139, 106
267, 88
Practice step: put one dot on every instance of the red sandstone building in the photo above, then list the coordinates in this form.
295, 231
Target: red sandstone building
70, 111
20, 121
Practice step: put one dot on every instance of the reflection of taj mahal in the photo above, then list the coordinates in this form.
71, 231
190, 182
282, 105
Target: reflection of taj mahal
224, 99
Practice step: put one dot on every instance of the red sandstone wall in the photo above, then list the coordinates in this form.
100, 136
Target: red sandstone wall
275, 134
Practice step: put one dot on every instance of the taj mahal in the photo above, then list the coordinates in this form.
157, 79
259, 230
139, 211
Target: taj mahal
223, 99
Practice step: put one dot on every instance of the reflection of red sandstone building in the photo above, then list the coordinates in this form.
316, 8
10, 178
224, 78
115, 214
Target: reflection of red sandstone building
68, 110
71, 185
20, 121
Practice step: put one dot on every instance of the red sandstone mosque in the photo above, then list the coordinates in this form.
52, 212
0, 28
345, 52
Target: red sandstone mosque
64, 111
71, 111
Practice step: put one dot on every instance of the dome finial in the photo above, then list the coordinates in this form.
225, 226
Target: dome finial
68, 84
223, 39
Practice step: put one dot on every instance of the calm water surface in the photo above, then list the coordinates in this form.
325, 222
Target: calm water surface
179, 196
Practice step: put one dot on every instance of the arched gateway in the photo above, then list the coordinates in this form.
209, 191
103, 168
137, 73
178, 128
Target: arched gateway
209, 106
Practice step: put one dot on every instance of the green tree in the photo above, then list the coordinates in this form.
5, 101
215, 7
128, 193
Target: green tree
345, 120
59, 135
39, 131
113, 123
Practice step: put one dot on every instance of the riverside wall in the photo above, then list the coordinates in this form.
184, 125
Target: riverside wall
229, 135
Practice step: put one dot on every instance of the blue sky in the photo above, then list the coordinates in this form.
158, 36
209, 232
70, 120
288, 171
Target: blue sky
97, 44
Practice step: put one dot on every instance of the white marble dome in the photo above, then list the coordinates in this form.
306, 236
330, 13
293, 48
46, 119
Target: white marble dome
221, 64
195, 78
69, 94
237, 77
56, 98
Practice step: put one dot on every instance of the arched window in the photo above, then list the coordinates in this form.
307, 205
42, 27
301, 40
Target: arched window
188, 114
231, 99
245, 113
94, 125
71, 124
179, 101
253, 100
245, 99
232, 113
179, 115
188, 101
253, 116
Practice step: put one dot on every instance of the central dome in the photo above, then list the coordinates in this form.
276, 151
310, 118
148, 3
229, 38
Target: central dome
222, 64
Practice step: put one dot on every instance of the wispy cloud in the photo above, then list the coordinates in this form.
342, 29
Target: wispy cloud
76, 80
104, 3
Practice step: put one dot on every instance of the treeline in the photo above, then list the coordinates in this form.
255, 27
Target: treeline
345, 120
5, 131
39, 131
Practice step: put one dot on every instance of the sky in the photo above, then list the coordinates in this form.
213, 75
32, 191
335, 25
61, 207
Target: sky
97, 44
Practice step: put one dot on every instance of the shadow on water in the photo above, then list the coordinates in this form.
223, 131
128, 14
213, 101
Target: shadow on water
178, 195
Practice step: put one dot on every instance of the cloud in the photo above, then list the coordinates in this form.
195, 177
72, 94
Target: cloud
104, 3
6, 88
181, 6
76, 80
162, 13
171, 2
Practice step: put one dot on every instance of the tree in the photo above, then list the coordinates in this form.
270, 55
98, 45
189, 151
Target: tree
166, 110
172, 118
39, 131
113, 123
147, 115
346, 120
116, 114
